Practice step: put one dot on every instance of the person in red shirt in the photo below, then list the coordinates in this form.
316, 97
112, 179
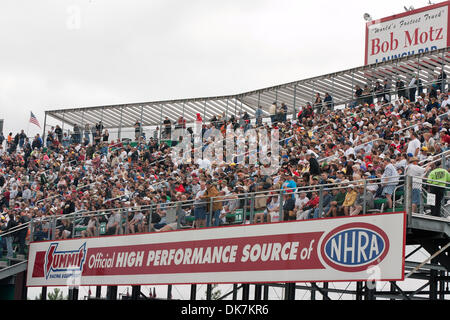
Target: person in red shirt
445, 138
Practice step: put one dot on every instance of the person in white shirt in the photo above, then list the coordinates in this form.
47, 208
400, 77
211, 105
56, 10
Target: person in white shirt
349, 150
389, 180
417, 172
445, 101
300, 201
204, 164
413, 145
273, 209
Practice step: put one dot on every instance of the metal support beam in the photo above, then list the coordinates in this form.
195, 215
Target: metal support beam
44, 293
120, 124
98, 292
193, 292
258, 291
208, 291
111, 293
43, 130
359, 290
289, 291
245, 291
324, 293
370, 293
433, 282
313, 291
73, 294
135, 292
169, 292
266, 292
20, 288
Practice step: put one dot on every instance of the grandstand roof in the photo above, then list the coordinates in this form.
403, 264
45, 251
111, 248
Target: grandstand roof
339, 85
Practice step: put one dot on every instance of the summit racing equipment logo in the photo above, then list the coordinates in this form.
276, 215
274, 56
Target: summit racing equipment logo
355, 247
64, 263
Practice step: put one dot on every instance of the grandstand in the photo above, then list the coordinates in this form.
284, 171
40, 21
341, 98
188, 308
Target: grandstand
127, 184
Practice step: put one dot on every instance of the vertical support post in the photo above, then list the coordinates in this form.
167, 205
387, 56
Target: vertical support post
82, 124
44, 293
313, 92
258, 291
235, 290
353, 84
169, 292
289, 291
392, 290
244, 211
111, 293
53, 227
140, 120
266, 292
210, 213
240, 100
98, 292
281, 206
294, 108
31, 231
418, 75
365, 197
184, 129
313, 292
160, 124
193, 292
441, 285
120, 124
208, 291
20, 289
433, 282
259, 99
276, 95
325, 287
73, 294
359, 290
204, 112
43, 130
245, 291
408, 198
332, 92
63, 121
226, 111
442, 70
135, 292
370, 293
320, 201
252, 207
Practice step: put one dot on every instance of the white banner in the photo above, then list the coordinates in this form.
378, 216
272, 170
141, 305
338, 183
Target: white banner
361, 248
409, 33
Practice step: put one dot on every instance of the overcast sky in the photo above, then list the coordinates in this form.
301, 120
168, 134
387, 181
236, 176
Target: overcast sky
58, 54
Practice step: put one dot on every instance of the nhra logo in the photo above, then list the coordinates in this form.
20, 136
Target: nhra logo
63, 261
354, 247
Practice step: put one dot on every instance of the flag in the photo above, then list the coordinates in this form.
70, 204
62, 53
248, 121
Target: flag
34, 120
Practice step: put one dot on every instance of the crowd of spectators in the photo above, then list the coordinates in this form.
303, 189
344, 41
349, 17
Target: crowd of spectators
86, 171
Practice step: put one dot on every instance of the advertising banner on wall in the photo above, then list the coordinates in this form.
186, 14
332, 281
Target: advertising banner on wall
416, 31
361, 248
